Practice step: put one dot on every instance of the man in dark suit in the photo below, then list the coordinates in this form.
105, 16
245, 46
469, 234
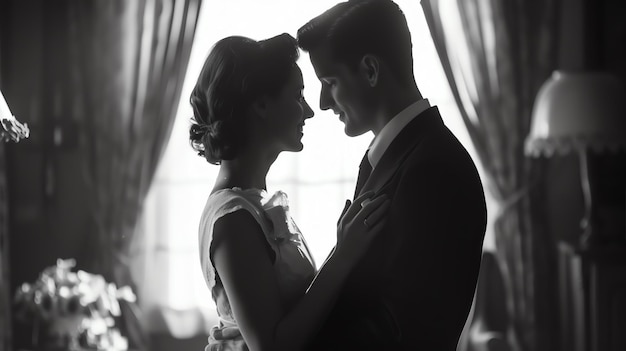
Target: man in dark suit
414, 288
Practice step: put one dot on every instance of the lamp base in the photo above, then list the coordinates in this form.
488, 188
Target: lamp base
588, 239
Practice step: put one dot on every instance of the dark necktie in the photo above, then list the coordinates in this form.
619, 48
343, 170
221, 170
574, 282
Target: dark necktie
365, 168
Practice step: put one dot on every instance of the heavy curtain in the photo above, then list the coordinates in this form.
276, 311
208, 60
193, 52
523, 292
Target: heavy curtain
127, 60
5, 292
496, 54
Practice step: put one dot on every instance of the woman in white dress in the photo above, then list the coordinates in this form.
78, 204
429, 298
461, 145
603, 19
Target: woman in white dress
248, 108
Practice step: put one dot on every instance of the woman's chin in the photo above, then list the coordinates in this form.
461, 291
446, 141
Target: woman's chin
295, 147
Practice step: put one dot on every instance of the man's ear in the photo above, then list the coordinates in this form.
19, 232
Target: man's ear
369, 67
259, 107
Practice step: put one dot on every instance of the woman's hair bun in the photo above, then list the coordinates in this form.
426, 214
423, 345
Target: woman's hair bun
237, 71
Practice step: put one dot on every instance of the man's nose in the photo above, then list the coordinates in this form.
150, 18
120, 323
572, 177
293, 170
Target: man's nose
326, 99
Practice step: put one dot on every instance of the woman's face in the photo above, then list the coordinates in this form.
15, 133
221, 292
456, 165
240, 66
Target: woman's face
287, 112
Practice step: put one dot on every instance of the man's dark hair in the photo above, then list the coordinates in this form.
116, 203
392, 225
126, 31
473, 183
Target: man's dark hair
355, 28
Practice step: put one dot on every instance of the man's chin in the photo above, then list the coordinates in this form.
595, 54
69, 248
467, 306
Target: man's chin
295, 147
353, 132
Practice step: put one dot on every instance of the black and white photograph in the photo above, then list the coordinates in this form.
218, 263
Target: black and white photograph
312, 175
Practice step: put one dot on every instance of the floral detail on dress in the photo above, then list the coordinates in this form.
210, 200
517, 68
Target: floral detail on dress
277, 210
223, 338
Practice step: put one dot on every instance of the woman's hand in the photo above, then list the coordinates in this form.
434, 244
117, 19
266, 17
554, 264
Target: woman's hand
360, 222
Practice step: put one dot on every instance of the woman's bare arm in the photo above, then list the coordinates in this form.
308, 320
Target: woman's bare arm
248, 277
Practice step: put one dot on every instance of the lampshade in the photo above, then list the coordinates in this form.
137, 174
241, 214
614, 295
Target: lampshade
578, 110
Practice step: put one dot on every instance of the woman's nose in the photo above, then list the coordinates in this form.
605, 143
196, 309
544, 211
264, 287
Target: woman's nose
308, 111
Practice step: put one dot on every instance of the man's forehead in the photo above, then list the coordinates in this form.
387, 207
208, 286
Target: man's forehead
322, 61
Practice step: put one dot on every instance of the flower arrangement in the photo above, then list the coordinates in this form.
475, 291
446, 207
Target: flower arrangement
73, 309
10, 127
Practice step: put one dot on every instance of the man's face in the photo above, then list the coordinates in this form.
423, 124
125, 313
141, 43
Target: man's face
344, 91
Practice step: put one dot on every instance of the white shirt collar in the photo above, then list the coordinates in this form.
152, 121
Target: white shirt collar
391, 130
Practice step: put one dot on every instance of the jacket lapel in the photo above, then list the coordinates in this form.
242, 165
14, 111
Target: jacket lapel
401, 147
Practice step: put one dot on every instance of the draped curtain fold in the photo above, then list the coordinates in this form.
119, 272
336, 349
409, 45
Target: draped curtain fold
127, 60
496, 54
5, 292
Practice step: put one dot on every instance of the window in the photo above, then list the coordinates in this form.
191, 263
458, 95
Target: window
317, 180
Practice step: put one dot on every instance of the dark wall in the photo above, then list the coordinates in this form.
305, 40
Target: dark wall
593, 38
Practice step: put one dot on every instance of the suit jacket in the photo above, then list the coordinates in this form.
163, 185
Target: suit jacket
414, 288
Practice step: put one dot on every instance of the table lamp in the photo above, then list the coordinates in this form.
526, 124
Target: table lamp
579, 112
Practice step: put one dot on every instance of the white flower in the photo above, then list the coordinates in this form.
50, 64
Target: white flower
277, 210
83, 302
126, 293
12, 129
